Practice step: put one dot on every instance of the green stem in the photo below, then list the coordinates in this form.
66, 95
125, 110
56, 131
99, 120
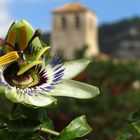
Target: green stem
46, 130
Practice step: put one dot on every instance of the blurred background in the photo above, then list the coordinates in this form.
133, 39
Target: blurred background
109, 32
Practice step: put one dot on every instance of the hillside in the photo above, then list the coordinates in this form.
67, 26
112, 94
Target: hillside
121, 39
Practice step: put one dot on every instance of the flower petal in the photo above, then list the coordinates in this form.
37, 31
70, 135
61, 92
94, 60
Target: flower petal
37, 101
75, 89
73, 68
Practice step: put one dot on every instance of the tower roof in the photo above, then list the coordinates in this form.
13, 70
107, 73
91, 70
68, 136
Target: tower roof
71, 7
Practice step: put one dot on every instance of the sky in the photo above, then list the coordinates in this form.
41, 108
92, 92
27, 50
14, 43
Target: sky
38, 12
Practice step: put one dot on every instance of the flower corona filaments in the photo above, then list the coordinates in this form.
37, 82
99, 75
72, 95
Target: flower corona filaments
31, 76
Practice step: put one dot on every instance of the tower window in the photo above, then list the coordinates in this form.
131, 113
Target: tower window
77, 22
63, 22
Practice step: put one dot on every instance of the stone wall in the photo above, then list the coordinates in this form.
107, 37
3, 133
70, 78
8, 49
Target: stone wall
70, 35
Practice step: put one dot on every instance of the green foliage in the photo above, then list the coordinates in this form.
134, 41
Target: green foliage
112, 36
77, 128
39, 114
80, 53
22, 125
135, 120
31, 85
114, 72
26, 123
109, 112
124, 137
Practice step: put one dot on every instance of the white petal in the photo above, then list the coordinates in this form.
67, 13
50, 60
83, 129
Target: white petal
38, 101
73, 68
75, 89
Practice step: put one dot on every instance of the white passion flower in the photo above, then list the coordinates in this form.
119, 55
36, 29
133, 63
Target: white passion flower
28, 75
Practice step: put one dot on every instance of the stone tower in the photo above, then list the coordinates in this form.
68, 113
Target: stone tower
74, 27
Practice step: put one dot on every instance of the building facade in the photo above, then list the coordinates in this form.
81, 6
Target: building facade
74, 27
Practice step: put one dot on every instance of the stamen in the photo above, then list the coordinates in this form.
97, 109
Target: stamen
8, 58
21, 58
28, 66
43, 50
34, 62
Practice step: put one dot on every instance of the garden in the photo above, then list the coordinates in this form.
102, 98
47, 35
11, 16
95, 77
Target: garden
110, 112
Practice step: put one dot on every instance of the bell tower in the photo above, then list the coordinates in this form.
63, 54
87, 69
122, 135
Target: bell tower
74, 27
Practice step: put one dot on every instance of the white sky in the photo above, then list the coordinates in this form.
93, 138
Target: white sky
4, 17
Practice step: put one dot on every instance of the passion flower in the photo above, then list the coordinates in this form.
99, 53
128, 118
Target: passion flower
28, 74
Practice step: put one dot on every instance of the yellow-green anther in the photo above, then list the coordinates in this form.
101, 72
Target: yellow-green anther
28, 66
8, 58
43, 50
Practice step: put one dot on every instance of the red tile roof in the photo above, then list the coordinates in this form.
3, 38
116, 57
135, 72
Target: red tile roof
72, 7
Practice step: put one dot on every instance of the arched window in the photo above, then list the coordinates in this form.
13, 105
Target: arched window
77, 22
63, 22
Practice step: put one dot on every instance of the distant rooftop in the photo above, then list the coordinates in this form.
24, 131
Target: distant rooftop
71, 7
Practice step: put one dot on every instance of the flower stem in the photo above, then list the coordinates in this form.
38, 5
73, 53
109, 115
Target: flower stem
46, 130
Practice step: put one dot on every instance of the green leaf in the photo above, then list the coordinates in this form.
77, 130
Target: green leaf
48, 124
136, 120
5, 134
73, 68
39, 114
137, 126
76, 129
124, 137
70, 88
23, 125
3, 118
